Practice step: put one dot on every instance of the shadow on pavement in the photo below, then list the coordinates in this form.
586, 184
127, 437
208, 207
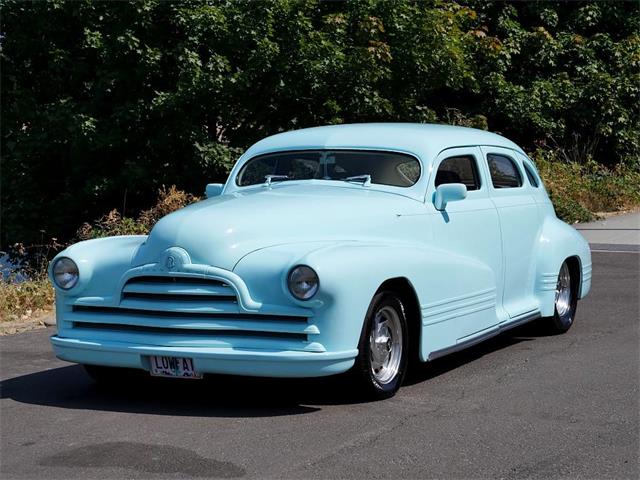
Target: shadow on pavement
215, 396
221, 395
425, 371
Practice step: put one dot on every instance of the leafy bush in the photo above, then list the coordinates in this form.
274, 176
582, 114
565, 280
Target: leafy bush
26, 290
113, 223
23, 300
580, 191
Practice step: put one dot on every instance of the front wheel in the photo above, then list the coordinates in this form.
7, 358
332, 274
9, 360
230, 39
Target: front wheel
566, 301
383, 349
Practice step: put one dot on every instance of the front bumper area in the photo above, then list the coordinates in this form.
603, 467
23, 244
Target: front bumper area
259, 363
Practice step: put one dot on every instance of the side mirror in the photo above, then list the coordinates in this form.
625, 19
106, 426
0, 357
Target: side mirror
213, 190
449, 192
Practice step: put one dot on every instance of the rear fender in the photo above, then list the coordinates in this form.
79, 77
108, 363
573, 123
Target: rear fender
558, 242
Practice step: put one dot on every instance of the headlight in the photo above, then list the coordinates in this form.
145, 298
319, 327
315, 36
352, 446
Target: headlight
65, 273
303, 282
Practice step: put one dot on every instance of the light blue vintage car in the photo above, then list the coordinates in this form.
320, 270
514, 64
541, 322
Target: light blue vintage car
330, 249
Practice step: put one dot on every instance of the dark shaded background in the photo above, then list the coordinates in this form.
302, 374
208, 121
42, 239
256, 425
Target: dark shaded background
103, 102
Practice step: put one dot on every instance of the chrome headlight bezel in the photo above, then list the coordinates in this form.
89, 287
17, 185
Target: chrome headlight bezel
303, 282
65, 266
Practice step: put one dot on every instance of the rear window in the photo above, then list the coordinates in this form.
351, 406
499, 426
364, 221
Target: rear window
504, 172
385, 168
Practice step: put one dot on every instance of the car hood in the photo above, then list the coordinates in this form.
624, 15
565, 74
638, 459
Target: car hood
221, 230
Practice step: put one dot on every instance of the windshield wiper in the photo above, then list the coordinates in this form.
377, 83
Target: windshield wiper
365, 179
270, 178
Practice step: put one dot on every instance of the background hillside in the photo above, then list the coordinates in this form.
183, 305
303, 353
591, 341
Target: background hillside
104, 102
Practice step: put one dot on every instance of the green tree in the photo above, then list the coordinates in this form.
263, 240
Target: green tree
104, 102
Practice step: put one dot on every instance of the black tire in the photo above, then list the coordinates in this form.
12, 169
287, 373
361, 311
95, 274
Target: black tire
367, 381
564, 312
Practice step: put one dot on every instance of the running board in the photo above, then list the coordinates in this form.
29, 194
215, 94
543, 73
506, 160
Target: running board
485, 336
521, 321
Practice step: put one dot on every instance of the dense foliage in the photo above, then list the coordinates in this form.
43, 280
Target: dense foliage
103, 102
25, 290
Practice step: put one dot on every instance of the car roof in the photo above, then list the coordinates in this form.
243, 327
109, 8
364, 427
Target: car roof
421, 139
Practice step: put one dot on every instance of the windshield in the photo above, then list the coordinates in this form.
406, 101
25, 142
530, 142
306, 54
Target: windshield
384, 168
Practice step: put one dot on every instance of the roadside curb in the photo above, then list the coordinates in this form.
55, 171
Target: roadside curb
618, 233
614, 247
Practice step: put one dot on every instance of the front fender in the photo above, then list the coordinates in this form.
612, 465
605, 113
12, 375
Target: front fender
110, 256
350, 273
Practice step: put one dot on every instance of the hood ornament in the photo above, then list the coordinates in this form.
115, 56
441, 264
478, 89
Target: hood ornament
173, 259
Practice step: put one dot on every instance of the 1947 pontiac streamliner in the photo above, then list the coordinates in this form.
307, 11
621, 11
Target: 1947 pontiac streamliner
329, 249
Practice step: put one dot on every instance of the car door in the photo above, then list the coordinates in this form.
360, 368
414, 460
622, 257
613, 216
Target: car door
467, 228
519, 226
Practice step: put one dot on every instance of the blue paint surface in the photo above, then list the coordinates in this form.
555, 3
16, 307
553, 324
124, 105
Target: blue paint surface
209, 282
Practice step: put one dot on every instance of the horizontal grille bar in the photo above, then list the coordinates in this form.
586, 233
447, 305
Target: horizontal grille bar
179, 331
177, 297
179, 286
204, 305
192, 315
169, 279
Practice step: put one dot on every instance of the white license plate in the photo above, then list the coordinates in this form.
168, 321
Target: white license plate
177, 367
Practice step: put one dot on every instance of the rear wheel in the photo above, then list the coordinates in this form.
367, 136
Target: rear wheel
383, 349
566, 301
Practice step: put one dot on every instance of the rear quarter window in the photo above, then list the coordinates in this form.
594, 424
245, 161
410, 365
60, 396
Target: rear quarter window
504, 171
531, 175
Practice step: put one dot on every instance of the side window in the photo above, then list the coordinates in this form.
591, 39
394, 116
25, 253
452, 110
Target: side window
533, 180
462, 169
504, 172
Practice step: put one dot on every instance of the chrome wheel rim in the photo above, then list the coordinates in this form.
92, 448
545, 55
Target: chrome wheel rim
563, 291
385, 342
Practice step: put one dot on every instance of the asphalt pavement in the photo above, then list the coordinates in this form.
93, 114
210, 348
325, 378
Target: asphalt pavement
522, 405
